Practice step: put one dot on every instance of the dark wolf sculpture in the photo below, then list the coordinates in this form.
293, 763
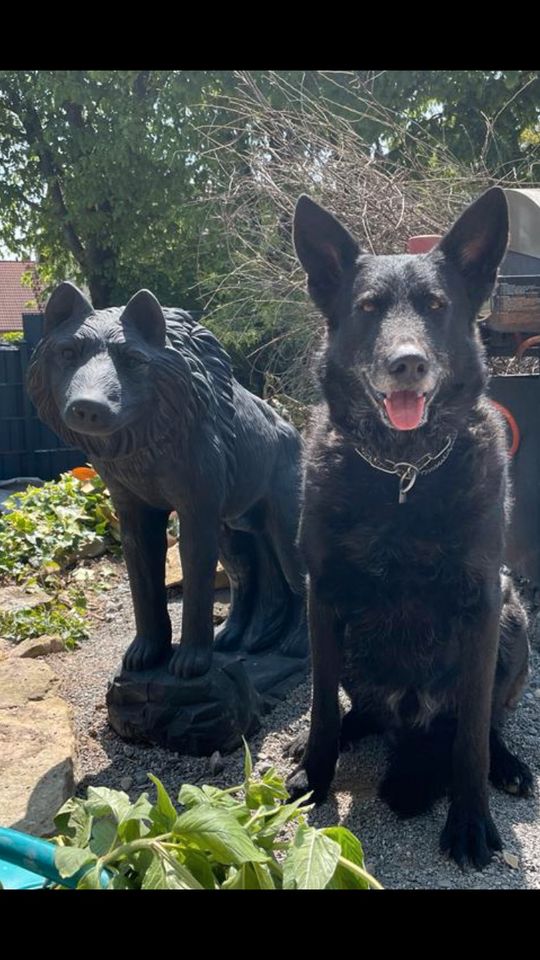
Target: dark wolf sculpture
406, 504
149, 395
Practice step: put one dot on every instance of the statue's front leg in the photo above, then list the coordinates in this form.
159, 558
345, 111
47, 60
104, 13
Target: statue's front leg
144, 542
199, 547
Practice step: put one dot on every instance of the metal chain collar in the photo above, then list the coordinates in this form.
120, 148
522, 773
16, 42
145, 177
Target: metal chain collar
408, 472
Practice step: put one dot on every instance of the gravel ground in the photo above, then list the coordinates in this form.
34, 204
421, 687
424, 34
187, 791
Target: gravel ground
401, 854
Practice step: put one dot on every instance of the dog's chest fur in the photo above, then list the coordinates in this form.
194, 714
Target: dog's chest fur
404, 577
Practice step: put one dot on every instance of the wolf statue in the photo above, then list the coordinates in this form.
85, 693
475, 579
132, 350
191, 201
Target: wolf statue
149, 395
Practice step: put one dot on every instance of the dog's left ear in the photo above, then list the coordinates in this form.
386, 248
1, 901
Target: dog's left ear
144, 313
477, 243
325, 249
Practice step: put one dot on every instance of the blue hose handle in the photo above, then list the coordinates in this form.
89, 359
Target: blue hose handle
37, 856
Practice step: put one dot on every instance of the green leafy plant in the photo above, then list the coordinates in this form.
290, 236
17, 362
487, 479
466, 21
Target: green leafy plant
220, 839
63, 615
47, 528
45, 531
11, 336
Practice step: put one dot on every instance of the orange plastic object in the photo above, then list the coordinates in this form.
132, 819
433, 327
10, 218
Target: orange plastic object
83, 473
516, 436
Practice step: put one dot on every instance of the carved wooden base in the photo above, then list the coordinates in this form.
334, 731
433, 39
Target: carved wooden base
208, 713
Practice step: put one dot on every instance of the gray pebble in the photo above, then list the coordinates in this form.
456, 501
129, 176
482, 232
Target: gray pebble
216, 763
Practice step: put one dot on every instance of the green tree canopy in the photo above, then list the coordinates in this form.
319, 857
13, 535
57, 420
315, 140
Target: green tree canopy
100, 173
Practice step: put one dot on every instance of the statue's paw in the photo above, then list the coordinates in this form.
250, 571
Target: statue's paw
190, 661
142, 653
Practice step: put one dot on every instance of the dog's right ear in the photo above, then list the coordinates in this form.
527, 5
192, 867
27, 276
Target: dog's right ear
65, 303
325, 249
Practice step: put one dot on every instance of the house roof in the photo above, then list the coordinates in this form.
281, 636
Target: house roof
14, 298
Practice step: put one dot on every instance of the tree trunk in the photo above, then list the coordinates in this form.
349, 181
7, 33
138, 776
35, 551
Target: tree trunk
101, 269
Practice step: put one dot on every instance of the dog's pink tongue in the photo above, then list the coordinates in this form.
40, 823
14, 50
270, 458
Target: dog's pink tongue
405, 409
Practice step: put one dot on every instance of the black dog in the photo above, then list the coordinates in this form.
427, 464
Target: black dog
150, 397
406, 501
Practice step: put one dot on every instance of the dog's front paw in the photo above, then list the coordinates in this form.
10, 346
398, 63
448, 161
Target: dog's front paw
470, 835
299, 783
313, 775
190, 661
143, 654
509, 773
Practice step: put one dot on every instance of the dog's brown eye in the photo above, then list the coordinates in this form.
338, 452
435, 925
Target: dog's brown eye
368, 306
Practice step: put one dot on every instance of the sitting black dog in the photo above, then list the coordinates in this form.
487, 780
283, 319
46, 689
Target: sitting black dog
150, 397
406, 503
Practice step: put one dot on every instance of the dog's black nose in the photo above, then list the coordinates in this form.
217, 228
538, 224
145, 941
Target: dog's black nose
408, 363
87, 414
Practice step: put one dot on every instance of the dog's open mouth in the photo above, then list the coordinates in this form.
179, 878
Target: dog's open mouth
405, 408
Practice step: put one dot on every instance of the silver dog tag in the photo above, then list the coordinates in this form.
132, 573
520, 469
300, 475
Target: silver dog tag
407, 481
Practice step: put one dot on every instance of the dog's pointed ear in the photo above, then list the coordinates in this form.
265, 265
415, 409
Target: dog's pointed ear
144, 312
325, 249
477, 243
66, 302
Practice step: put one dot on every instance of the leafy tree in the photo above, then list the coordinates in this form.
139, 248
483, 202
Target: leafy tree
485, 119
99, 173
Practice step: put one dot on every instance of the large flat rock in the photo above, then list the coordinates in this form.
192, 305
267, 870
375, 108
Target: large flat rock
13, 598
37, 745
24, 680
174, 576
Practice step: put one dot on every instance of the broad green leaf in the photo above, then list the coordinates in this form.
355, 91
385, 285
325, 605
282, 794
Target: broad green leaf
154, 877
74, 821
91, 880
199, 866
235, 879
219, 798
262, 876
351, 849
250, 876
164, 874
267, 791
286, 813
218, 832
104, 834
190, 796
311, 860
248, 762
102, 802
163, 812
130, 828
69, 860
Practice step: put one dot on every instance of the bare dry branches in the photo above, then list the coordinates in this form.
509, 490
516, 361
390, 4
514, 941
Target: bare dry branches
266, 155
